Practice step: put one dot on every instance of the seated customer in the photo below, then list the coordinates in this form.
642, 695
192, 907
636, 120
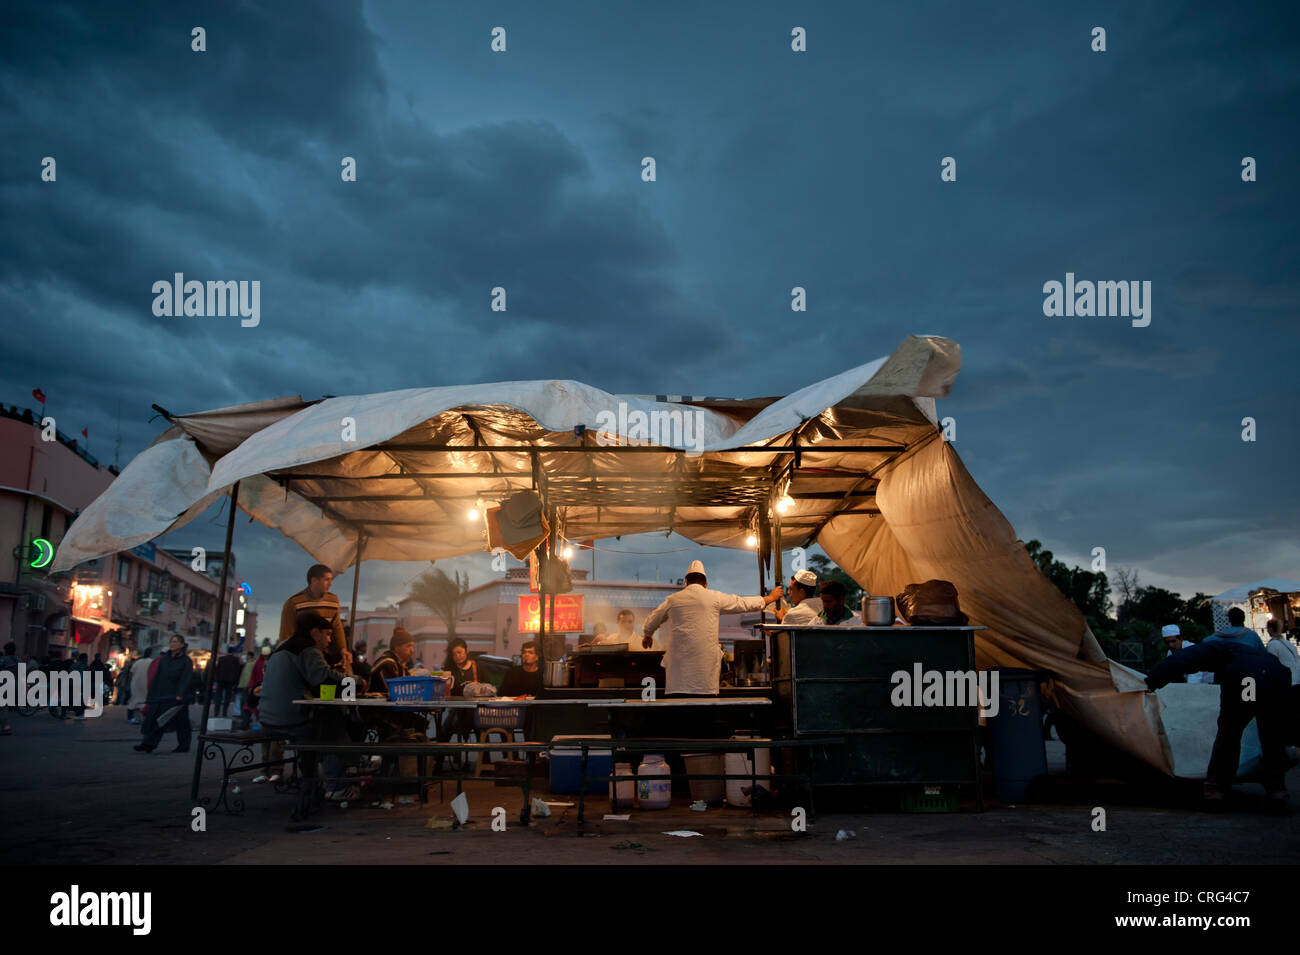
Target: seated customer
525, 679
393, 662
834, 613
295, 670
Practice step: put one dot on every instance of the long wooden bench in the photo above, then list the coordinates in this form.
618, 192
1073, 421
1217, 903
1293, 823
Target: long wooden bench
213, 745
588, 743
310, 795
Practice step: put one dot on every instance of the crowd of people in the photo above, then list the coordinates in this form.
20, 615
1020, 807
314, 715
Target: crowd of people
1255, 683
314, 650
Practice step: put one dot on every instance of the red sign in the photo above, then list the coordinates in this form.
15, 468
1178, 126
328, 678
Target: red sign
568, 613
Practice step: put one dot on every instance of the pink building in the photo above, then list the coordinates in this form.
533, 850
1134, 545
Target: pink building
43, 485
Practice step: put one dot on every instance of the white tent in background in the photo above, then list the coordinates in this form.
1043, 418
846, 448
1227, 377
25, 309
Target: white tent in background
1242, 596
390, 476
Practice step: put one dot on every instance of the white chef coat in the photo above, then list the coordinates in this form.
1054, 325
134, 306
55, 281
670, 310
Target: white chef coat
692, 655
634, 642
1281, 648
805, 612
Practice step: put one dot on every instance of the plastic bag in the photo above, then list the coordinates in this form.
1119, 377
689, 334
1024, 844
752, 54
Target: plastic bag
933, 604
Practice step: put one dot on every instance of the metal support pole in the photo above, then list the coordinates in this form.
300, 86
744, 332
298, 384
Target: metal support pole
216, 640
356, 579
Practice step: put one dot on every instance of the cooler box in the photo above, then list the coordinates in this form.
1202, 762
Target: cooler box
566, 767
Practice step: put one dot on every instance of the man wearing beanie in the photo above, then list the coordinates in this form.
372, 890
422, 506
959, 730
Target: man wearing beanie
393, 662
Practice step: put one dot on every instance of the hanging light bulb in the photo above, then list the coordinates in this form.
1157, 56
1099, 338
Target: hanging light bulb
751, 541
567, 552
784, 504
473, 514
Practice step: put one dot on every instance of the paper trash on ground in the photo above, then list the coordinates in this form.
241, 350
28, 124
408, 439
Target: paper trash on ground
460, 806
684, 833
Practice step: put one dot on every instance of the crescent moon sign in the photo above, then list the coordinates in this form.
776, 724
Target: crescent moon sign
44, 552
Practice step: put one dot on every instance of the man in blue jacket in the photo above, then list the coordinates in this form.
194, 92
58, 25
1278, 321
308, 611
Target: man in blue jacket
1252, 685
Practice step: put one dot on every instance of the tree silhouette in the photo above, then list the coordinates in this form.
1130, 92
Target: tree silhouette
442, 594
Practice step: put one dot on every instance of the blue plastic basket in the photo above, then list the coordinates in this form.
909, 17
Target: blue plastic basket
417, 689
506, 716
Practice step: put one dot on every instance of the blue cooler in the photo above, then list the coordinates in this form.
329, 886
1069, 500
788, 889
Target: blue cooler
566, 767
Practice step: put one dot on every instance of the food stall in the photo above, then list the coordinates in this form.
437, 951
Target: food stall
1262, 601
856, 463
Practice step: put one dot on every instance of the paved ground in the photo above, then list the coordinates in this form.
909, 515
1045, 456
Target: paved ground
77, 793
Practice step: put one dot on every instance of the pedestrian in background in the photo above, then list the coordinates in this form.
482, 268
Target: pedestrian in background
228, 672
139, 689
122, 685
245, 704
79, 666
170, 686
8, 661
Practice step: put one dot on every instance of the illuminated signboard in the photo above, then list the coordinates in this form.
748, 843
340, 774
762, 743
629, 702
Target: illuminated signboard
568, 613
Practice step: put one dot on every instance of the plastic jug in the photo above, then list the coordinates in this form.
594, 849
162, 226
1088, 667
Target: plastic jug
624, 796
652, 792
743, 763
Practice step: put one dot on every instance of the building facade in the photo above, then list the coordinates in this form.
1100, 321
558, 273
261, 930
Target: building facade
44, 484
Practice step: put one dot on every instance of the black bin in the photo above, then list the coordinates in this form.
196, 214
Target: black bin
1016, 733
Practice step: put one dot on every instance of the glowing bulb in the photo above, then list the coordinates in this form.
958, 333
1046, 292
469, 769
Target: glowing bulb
567, 552
473, 513
751, 541
784, 504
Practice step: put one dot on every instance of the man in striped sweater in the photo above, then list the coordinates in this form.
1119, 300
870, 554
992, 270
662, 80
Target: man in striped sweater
316, 599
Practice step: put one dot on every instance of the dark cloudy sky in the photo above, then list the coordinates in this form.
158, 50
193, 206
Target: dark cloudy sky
775, 169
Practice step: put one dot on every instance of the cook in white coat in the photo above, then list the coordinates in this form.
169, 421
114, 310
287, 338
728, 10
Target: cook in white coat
693, 657
804, 606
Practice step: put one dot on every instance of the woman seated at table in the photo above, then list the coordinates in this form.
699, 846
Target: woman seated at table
524, 680
463, 670
460, 666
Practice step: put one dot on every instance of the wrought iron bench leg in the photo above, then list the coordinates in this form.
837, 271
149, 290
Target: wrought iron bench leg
232, 804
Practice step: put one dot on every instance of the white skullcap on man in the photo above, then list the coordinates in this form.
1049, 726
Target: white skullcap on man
1170, 630
806, 578
697, 567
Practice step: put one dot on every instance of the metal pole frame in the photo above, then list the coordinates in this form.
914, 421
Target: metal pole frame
216, 639
351, 641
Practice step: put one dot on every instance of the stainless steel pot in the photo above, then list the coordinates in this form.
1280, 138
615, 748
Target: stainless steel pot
878, 611
556, 673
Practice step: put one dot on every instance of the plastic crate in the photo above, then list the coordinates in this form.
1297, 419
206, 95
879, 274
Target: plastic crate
930, 799
506, 716
417, 689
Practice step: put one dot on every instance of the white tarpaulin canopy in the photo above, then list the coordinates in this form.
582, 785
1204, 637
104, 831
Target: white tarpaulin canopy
392, 475
1240, 595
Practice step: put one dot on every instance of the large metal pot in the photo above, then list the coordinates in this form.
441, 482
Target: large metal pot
878, 611
556, 673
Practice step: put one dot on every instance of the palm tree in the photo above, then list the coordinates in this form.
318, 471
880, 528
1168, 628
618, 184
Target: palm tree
441, 594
